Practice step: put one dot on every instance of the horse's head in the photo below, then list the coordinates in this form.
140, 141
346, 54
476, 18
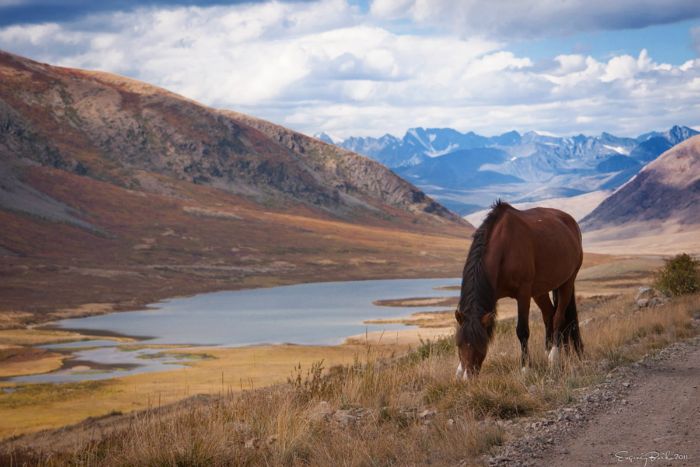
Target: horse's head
472, 336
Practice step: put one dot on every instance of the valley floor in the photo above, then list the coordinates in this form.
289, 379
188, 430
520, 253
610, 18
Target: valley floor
28, 408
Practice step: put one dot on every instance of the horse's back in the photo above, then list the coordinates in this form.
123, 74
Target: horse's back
542, 243
541, 220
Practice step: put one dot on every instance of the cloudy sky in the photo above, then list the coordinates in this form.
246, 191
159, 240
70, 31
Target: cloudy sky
352, 67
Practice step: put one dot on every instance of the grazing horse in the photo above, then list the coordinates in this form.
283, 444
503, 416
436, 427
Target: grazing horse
522, 255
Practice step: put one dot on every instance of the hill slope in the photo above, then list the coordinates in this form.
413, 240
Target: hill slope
118, 192
662, 200
108, 127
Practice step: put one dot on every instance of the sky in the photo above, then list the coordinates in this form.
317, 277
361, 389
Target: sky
366, 68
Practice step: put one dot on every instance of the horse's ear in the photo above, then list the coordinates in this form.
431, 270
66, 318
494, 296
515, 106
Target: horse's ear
488, 319
459, 317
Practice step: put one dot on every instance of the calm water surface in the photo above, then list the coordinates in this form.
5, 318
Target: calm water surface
311, 314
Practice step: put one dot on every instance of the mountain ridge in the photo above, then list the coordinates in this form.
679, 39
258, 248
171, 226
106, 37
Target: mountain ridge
540, 165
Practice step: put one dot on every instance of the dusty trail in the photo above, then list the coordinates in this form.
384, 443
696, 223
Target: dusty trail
646, 414
658, 421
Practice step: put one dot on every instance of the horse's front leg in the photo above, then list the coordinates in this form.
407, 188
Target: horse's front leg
523, 328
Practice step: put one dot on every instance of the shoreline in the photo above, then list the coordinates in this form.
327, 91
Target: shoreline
418, 323
412, 334
91, 308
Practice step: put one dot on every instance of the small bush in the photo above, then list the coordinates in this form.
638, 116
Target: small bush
315, 384
679, 276
431, 348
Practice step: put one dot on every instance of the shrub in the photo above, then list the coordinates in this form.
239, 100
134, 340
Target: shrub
679, 276
431, 348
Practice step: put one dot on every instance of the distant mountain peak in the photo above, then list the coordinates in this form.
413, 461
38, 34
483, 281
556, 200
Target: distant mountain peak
679, 133
325, 137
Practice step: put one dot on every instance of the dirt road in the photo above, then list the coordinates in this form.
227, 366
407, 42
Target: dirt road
658, 423
644, 415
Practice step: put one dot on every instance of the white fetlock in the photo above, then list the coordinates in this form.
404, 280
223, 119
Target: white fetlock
554, 356
460, 372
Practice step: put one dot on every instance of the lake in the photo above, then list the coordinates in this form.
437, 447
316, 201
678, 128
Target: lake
320, 313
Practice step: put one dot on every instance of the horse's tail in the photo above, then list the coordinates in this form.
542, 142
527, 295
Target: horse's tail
571, 332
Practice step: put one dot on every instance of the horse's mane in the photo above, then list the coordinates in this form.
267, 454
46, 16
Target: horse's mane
477, 295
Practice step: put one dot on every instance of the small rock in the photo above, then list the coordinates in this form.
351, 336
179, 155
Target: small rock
322, 412
252, 443
627, 384
427, 413
450, 422
344, 417
644, 292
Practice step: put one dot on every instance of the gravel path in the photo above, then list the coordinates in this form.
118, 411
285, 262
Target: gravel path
644, 415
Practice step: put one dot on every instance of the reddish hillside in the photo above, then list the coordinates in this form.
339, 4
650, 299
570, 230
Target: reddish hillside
657, 212
666, 189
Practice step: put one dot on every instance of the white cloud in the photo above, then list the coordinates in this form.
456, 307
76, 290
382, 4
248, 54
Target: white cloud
325, 66
519, 18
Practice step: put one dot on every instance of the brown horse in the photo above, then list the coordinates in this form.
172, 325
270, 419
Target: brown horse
519, 254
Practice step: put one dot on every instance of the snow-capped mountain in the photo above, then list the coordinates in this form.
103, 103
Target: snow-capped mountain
325, 137
467, 171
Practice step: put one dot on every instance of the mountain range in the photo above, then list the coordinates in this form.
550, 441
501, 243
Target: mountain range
467, 171
117, 192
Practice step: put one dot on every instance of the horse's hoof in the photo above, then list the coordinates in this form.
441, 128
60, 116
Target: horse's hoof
553, 356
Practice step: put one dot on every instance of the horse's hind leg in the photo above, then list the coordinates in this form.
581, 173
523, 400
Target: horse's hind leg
564, 294
523, 328
545, 305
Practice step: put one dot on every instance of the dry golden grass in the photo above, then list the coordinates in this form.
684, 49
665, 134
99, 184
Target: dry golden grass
38, 336
35, 407
371, 412
43, 363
